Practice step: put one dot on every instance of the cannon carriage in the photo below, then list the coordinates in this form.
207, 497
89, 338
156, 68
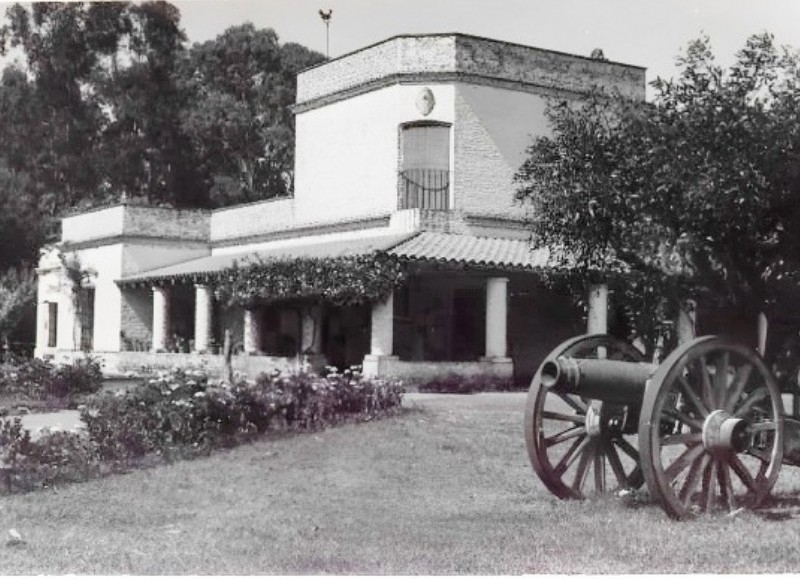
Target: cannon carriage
706, 430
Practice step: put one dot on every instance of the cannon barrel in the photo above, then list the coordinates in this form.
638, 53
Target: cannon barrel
607, 380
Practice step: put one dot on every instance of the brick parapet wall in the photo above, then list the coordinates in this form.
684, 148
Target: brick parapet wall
545, 68
420, 58
399, 55
136, 221
184, 224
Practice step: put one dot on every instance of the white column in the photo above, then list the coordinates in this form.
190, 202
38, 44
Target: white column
311, 330
597, 319
382, 335
42, 325
160, 318
685, 326
496, 317
252, 331
763, 326
318, 314
379, 361
203, 311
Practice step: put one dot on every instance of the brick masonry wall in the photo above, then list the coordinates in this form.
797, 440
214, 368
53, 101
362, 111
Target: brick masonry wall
137, 319
394, 56
185, 224
145, 363
545, 68
492, 130
466, 55
138, 221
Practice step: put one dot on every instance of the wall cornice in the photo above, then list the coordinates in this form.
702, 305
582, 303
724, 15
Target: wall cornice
133, 240
423, 78
311, 229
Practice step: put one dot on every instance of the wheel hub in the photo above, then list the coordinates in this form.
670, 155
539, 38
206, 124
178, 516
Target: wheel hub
723, 434
593, 423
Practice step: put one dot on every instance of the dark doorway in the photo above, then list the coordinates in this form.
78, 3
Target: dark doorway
346, 335
87, 318
468, 324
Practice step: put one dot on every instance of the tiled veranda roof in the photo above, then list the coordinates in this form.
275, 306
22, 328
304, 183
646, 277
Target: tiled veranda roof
210, 264
425, 246
472, 250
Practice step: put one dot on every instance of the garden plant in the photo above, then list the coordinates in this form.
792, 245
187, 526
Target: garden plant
185, 414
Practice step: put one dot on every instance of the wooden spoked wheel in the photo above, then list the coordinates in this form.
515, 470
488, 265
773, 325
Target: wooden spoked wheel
711, 429
570, 444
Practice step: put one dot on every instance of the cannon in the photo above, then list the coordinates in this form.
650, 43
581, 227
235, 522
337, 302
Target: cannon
705, 430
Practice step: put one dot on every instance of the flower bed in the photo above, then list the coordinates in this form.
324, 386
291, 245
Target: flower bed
185, 414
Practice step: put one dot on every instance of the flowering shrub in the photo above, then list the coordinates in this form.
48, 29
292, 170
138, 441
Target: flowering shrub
183, 413
40, 379
159, 415
14, 441
83, 376
177, 414
56, 457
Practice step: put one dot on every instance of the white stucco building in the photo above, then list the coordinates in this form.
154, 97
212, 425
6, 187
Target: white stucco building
407, 147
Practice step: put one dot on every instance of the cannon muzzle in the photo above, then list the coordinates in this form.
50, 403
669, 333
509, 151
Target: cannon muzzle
607, 380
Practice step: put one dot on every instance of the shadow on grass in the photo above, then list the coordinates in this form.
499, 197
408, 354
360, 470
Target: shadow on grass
780, 507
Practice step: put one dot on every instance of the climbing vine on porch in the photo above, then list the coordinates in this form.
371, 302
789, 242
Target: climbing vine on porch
344, 281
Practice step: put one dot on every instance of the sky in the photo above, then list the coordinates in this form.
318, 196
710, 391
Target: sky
648, 33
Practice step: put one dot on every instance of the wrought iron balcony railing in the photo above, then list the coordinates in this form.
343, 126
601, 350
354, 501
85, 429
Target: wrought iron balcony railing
424, 189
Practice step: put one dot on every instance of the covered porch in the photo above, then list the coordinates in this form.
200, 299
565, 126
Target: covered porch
451, 313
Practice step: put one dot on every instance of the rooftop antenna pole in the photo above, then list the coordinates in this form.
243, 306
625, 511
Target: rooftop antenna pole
326, 18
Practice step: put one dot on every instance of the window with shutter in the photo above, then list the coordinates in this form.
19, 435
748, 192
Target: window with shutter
424, 173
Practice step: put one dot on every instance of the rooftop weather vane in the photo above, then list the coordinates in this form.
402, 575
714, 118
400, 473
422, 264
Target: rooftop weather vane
326, 18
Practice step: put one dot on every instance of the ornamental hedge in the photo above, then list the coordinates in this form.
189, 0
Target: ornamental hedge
344, 281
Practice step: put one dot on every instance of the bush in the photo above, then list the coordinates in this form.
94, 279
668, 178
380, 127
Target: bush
181, 413
455, 384
40, 379
83, 376
55, 458
158, 416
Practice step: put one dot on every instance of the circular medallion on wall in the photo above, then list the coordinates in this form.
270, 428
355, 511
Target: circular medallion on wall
425, 101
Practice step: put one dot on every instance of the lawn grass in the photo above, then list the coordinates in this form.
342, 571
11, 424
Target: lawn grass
445, 488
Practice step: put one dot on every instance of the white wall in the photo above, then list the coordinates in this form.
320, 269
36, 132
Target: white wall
105, 263
108, 263
347, 152
143, 256
96, 224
